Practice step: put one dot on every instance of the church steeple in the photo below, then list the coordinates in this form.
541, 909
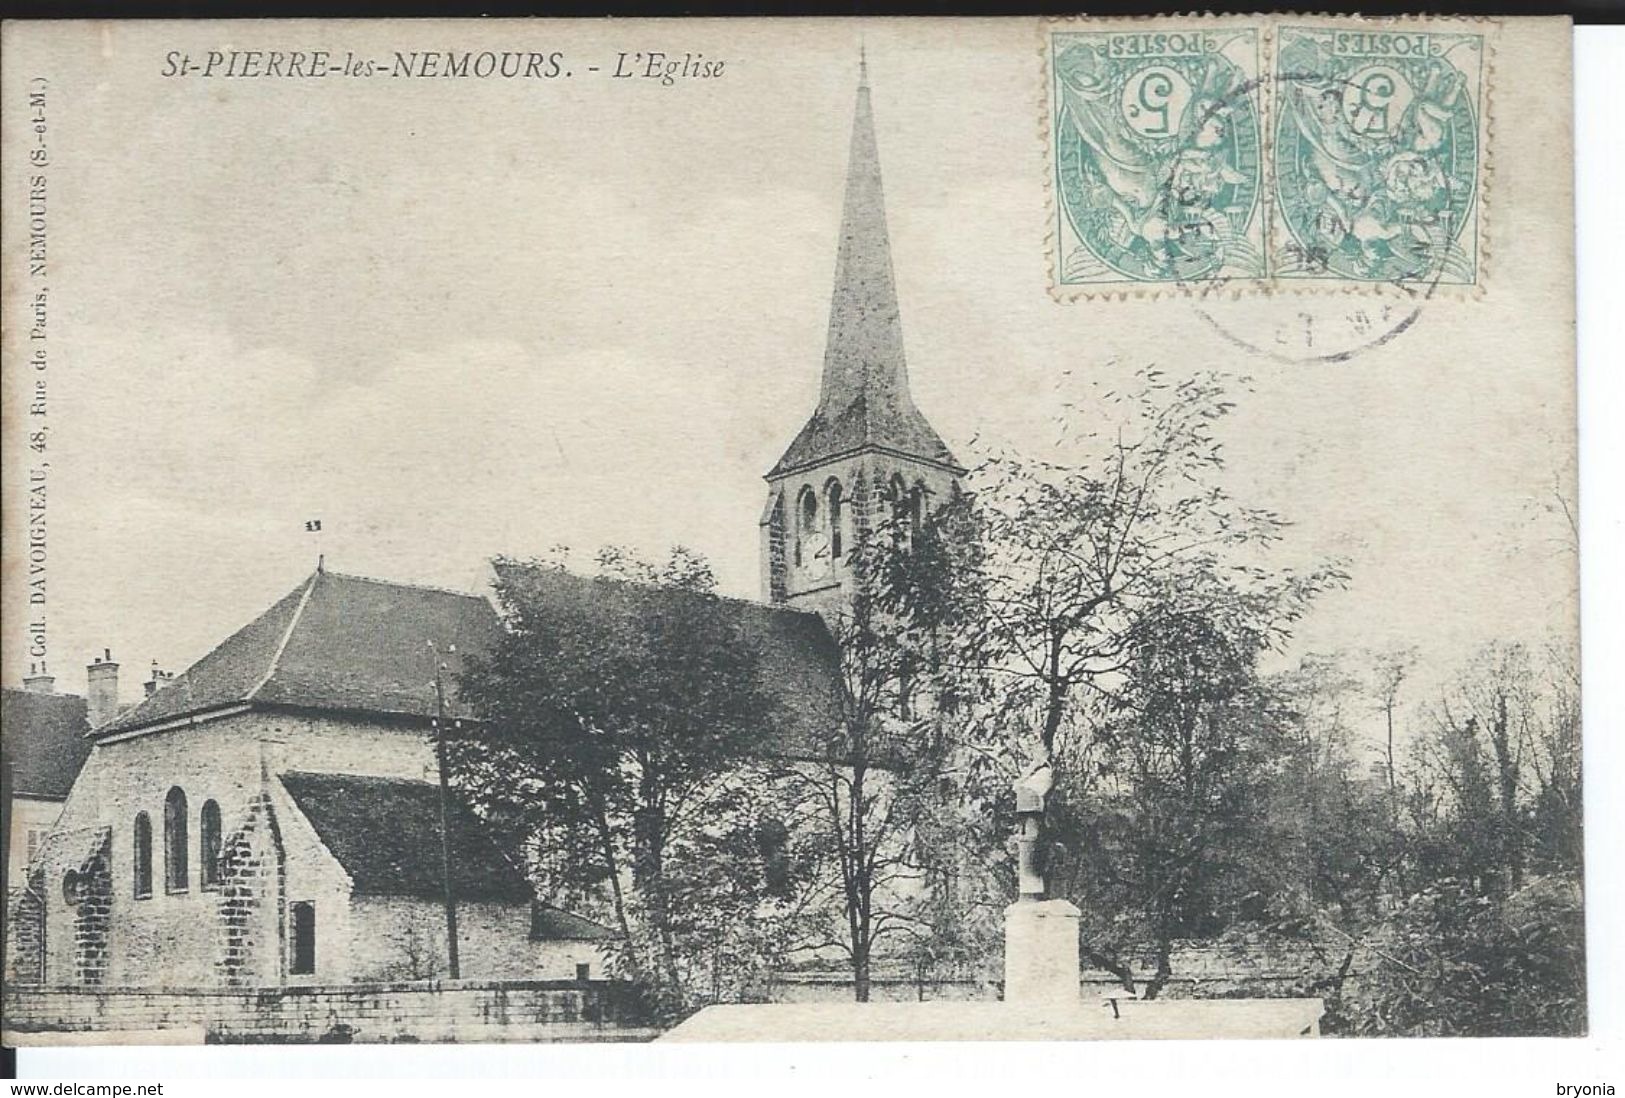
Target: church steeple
864, 401
866, 454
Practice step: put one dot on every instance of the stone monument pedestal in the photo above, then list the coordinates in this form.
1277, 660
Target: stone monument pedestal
1041, 953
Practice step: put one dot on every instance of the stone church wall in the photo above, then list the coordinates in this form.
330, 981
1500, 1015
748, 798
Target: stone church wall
177, 938
88, 891
405, 939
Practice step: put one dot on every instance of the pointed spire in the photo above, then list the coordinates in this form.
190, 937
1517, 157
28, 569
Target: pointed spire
864, 352
864, 400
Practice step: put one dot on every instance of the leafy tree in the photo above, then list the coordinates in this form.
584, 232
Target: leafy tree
1454, 962
1498, 770
621, 729
1048, 566
1164, 833
1491, 942
1105, 615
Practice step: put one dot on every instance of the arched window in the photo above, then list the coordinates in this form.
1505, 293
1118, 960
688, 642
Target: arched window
837, 517
175, 878
208, 838
777, 531
806, 522
916, 506
897, 494
901, 498
141, 860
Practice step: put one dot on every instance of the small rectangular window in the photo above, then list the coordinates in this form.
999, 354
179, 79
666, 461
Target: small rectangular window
303, 917
584, 972
35, 836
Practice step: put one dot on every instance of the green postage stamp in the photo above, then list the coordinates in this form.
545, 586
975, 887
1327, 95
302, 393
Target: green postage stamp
1222, 154
1376, 155
1156, 136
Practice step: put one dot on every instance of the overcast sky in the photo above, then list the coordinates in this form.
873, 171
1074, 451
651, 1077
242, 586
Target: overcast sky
452, 319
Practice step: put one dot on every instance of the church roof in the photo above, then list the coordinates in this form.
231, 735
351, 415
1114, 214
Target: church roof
798, 657
385, 832
335, 642
865, 401
549, 923
43, 738
352, 645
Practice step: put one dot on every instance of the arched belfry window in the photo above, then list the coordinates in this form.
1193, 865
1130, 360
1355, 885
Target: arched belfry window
175, 877
141, 855
806, 523
208, 839
837, 518
897, 495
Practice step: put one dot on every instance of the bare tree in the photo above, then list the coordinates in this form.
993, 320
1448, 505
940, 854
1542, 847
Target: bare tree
867, 790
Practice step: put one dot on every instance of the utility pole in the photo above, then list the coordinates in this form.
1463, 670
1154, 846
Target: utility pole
445, 807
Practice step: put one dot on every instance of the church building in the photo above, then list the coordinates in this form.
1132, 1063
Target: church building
272, 815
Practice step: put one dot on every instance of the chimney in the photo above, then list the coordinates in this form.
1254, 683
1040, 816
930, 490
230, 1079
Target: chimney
159, 678
101, 689
38, 681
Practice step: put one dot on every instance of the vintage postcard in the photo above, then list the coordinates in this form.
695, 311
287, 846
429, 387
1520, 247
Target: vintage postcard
551, 531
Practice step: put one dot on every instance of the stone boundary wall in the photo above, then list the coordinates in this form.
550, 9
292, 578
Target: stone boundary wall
534, 1011
1202, 970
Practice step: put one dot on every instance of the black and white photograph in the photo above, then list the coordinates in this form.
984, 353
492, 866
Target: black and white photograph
536, 532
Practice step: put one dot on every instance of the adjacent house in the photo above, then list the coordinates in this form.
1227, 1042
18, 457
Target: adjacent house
43, 736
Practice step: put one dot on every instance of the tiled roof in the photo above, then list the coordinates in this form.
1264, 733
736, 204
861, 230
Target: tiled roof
555, 924
346, 644
335, 642
865, 400
799, 661
43, 738
385, 832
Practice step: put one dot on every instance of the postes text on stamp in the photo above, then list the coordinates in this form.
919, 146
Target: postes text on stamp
1376, 155
1157, 153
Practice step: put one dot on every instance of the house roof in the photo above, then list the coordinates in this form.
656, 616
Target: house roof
385, 832
43, 737
864, 402
335, 642
799, 660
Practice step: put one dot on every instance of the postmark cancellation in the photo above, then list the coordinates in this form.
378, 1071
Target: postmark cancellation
1209, 154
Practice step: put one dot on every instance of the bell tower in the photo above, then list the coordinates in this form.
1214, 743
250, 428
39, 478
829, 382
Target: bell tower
867, 453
